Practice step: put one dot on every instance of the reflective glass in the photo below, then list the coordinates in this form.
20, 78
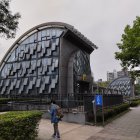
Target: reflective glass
33, 57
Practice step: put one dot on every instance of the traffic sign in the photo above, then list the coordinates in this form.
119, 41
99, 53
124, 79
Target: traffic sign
99, 100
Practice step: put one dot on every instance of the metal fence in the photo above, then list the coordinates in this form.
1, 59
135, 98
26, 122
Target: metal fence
74, 102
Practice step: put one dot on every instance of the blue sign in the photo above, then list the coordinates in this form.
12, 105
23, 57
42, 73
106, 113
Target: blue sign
99, 100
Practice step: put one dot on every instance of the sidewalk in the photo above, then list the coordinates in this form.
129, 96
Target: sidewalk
127, 127
69, 131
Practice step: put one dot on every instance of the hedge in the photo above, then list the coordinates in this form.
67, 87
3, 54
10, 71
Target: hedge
19, 125
108, 113
29, 100
4, 100
134, 103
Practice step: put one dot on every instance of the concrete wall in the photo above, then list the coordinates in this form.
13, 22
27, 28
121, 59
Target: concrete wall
70, 117
67, 49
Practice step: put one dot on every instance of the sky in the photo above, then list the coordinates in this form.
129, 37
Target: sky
101, 21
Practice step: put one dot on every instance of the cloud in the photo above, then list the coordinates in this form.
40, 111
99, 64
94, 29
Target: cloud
102, 21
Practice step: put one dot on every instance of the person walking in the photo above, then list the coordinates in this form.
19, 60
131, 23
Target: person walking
54, 119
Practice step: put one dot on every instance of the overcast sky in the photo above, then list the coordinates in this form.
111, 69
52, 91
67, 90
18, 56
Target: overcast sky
101, 21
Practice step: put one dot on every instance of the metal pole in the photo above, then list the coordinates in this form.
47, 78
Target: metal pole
94, 111
103, 108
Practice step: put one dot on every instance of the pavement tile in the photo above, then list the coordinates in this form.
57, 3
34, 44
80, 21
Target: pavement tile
127, 127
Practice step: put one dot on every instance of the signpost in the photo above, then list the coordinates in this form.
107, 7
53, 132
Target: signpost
98, 101
94, 111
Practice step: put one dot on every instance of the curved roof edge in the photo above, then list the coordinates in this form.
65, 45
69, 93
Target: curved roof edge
69, 28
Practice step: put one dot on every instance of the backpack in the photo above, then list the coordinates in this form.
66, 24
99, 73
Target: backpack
59, 113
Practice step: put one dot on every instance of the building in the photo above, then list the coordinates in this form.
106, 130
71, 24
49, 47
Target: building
51, 58
116, 74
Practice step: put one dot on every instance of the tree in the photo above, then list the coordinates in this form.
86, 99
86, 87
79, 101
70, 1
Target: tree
130, 48
8, 21
103, 84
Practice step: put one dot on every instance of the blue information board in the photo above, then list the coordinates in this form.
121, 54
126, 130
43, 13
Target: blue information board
99, 100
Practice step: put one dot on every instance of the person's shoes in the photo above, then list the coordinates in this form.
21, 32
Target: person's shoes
53, 135
58, 137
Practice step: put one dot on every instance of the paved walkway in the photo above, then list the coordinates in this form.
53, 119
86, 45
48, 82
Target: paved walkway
127, 127
69, 131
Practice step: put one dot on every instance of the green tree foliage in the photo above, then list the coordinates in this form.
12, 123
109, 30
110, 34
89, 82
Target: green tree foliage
8, 21
137, 89
129, 54
104, 84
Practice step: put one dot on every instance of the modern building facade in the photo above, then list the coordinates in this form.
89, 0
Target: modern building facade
123, 84
51, 58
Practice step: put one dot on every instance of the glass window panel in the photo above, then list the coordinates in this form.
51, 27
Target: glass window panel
18, 84
49, 61
43, 33
56, 78
56, 52
59, 32
40, 90
20, 72
14, 82
1, 83
28, 56
25, 81
48, 52
7, 82
53, 83
27, 49
43, 44
55, 62
47, 43
47, 79
40, 71
31, 50
12, 57
34, 80
53, 48
39, 47
32, 38
50, 70
53, 32
48, 32
3, 90
38, 82
30, 84
53, 66
57, 41
49, 91
39, 36
38, 63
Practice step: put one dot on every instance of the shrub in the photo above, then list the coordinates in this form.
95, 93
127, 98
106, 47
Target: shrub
29, 100
19, 125
108, 113
4, 100
134, 103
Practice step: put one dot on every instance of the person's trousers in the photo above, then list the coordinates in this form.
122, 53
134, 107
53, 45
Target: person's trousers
56, 130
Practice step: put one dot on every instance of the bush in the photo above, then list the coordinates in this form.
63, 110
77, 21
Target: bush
29, 100
134, 103
108, 113
19, 125
4, 100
